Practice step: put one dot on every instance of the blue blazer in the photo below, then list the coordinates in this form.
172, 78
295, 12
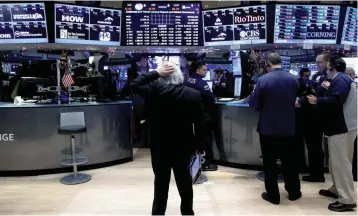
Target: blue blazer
274, 97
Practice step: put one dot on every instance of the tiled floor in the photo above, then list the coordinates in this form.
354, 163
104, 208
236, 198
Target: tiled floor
127, 189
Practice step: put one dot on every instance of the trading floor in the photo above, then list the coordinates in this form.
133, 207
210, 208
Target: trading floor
127, 189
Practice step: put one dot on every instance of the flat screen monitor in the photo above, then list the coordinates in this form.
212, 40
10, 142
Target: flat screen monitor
207, 76
162, 23
121, 70
237, 88
349, 34
236, 65
210, 84
23, 23
241, 25
155, 61
306, 23
87, 25
212, 66
286, 63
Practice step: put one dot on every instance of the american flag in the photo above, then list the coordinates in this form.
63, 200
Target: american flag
67, 80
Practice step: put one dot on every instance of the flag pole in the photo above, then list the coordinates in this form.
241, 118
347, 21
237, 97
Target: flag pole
69, 71
58, 81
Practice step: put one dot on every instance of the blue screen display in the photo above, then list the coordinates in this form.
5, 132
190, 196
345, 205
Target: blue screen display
23, 23
162, 24
87, 25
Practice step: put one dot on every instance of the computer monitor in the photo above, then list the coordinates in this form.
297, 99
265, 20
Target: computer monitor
237, 89
28, 87
210, 83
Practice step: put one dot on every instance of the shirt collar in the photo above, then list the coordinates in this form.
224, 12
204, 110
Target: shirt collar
276, 69
196, 76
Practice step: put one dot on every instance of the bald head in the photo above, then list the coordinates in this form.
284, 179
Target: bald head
350, 72
176, 77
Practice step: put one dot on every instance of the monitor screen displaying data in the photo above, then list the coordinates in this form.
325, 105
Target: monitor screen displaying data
349, 34
23, 23
306, 23
87, 25
162, 24
242, 25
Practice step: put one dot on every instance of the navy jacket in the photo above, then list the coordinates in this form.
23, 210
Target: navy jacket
337, 118
275, 96
208, 98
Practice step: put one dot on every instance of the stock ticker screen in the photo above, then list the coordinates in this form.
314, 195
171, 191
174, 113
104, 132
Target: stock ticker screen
312, 23
162, 24
87, 25
349, 34
23, 23
242, 25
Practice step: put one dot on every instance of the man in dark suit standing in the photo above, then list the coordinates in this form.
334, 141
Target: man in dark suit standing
274, 96
172, 110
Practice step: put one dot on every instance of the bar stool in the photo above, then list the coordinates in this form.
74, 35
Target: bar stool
73, 123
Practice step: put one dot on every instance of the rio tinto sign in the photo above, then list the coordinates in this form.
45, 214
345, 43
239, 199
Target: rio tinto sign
249, 19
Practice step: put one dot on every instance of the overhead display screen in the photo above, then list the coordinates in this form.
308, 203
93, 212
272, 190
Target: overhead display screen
349, 34
23, 23
242, 25
87, 25
162, 24
306, 23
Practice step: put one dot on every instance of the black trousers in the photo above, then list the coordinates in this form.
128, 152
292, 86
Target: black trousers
214, 131
162, 167
313, 140
284, 148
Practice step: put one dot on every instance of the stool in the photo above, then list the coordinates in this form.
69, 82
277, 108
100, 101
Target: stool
261, 175
73, 123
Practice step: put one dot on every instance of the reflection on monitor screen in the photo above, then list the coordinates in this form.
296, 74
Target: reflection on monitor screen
237, 91
121, 70
155, 61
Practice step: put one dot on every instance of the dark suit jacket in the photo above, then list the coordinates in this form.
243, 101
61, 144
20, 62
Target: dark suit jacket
274, 96
172, 110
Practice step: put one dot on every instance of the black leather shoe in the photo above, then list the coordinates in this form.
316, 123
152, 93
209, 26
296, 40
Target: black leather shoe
265, 196
328, 193
210, 167
294, 197
340, 207
313, 179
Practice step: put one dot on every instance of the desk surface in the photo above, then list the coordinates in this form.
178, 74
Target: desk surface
11, 105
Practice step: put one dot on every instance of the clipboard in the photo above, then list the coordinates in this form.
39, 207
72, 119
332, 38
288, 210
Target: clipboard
195, 168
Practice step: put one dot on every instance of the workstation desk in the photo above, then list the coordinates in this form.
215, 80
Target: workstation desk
31, 145
241, 142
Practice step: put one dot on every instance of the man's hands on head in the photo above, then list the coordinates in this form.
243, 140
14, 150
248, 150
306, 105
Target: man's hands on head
166, 69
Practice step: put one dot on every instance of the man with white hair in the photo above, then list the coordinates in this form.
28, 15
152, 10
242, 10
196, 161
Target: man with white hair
351, 73
172, 110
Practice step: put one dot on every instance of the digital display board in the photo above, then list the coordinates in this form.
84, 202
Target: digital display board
87, 25
162, 24
23, 23
306, 23
242, 25
349, 34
